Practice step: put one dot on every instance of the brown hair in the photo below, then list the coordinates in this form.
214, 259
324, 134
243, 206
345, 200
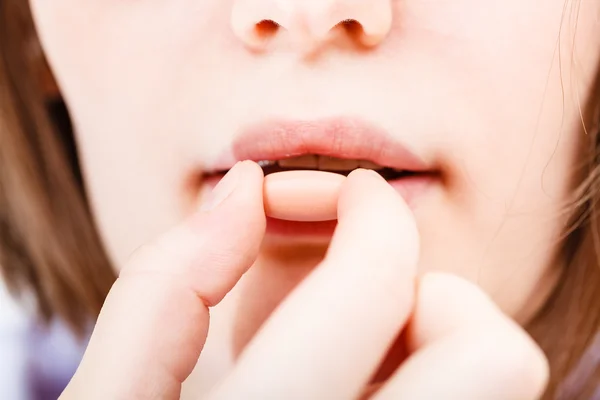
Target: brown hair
49, 247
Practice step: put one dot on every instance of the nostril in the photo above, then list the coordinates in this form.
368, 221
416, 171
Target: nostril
353, 28
266, 28
350, 24
362, 34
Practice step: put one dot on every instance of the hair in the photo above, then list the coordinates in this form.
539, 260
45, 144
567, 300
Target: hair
51, 252
49, 248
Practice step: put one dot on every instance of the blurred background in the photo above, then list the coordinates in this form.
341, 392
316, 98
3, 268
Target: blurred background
36, 360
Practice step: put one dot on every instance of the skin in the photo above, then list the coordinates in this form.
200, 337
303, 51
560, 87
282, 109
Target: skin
488, 90
456, 332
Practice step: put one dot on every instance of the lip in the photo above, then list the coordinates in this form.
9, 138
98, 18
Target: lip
339, 137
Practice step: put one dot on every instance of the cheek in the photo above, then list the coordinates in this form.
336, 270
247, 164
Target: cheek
138, 56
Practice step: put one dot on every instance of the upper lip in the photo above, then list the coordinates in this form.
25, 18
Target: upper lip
341, 138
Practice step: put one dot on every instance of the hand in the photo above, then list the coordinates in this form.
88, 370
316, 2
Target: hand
328, 337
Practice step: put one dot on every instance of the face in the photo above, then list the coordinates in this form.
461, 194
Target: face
487, 93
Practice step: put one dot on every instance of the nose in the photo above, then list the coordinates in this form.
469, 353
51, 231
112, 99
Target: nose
311, 24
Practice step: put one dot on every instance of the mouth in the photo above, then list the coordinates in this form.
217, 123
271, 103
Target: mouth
335, 145
316, 162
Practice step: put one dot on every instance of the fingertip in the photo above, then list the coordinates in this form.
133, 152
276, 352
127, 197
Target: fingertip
361, 179
250, 200
365, 187
252, 168
360, 173
245, 199
372, 214
251, 177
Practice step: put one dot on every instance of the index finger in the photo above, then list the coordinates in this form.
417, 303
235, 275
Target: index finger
155, 319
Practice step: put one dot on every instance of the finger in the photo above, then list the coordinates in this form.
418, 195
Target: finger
154, 322
465, 348
327, 337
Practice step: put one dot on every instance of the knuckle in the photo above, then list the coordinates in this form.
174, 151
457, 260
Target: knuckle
515, 359
141, 253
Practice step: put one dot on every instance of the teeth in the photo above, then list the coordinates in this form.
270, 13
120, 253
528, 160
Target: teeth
266, 163
326, 163
337, 164
307, 161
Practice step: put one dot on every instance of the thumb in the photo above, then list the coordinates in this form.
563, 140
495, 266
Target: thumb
154, 322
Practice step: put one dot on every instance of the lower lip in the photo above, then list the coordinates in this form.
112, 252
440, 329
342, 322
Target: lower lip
411, 189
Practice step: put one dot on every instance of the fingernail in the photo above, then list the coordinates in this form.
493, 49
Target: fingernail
223, 189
